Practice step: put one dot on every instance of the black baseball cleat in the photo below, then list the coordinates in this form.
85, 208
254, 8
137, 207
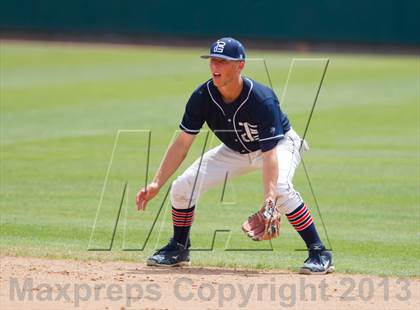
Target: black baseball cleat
173, 254
319, 261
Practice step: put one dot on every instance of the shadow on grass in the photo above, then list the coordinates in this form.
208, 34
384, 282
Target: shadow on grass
147, 270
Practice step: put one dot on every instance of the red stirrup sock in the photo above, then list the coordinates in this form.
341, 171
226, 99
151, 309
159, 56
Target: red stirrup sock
182, 220
302, 221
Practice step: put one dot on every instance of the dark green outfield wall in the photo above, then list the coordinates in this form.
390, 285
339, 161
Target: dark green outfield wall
352, 21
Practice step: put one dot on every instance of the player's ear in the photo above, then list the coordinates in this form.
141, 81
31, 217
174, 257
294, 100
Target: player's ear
241, 65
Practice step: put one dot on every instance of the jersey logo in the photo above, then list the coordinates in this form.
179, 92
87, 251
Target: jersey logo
251, 132
220, 46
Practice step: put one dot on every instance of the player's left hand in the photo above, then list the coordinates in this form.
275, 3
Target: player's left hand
265, 224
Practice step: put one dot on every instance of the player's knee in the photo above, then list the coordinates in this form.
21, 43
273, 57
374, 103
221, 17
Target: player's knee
284, 189
288, 198
181, 190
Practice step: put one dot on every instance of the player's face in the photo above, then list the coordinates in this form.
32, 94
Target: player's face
225, 71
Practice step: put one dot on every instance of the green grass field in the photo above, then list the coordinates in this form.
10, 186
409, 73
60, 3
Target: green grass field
62, 106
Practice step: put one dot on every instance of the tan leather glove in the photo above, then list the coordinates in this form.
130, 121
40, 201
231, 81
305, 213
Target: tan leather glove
265, 224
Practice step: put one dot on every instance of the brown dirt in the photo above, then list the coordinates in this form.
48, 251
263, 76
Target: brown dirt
67, 284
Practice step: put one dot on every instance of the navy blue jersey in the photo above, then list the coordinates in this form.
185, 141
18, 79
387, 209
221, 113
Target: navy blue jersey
254, 121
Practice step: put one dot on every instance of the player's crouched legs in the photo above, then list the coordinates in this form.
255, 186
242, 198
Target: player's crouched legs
319, 260
176, 252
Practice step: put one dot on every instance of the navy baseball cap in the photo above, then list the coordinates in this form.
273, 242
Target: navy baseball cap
227, 48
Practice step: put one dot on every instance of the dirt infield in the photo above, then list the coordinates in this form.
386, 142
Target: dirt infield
34, 283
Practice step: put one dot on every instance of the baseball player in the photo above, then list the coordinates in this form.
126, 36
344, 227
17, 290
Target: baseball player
255, 134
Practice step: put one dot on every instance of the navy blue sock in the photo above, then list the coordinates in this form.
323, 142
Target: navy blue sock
302, 221
182, 220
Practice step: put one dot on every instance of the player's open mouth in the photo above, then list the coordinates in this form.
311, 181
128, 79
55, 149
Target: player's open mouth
216, 74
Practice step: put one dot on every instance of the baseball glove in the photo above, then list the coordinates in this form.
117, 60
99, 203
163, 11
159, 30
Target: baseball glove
265, 224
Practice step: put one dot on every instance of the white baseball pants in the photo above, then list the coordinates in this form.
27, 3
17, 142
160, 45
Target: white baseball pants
211, 168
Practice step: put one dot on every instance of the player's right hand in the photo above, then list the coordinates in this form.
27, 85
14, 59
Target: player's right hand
146, 194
